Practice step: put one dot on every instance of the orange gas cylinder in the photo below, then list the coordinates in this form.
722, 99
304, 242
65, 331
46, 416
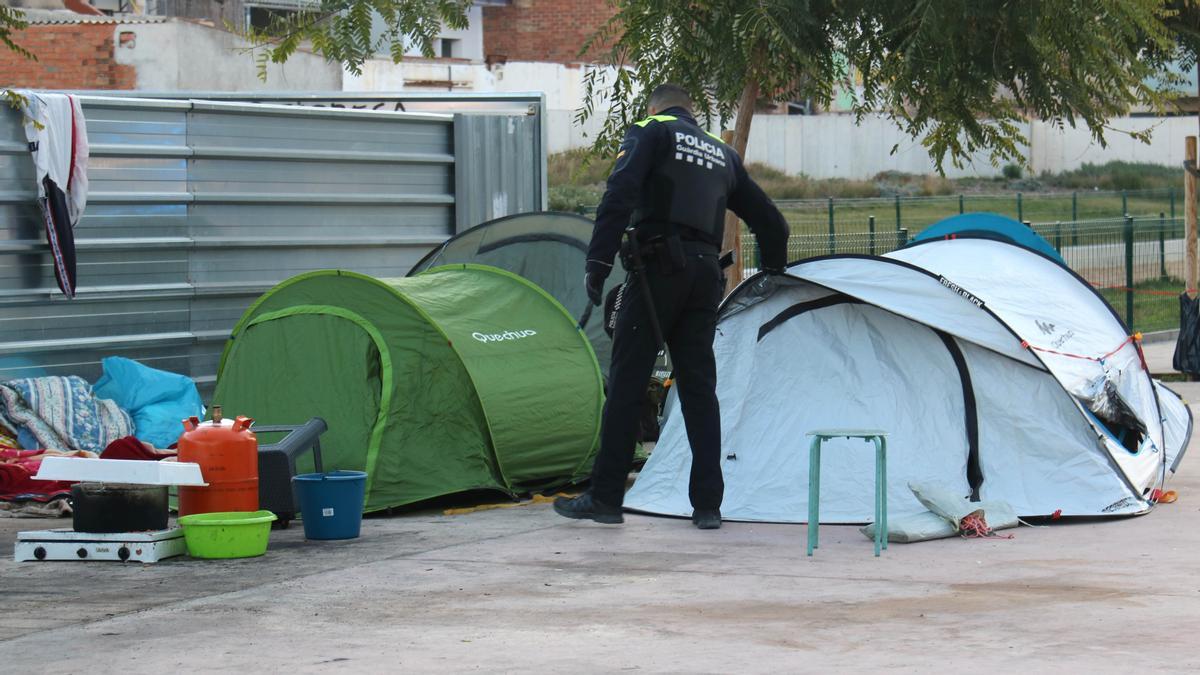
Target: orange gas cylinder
227, 452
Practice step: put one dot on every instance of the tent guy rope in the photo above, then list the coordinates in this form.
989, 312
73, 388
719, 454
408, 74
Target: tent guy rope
1136, 337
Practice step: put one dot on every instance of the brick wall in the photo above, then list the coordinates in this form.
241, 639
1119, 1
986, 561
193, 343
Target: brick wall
76, 56
542, 30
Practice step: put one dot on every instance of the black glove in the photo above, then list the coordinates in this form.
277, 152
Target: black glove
594, 283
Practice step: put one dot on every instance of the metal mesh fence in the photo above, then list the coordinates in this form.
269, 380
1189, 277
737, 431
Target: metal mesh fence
812, 216
802, 246
1136, 264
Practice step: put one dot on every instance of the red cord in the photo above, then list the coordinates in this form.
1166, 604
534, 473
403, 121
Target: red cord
1138, 291
974, 526
1131, 338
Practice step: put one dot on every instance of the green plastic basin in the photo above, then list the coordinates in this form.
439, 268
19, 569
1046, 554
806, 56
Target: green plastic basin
227, 534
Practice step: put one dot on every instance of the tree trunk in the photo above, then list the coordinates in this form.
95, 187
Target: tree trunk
741, 135
1189, 211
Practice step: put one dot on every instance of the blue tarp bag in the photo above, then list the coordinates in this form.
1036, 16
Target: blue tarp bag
157, 400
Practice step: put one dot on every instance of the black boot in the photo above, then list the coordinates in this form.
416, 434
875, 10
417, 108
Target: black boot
584, 507
707, 519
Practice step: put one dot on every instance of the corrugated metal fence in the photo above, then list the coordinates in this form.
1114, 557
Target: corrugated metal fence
198, 207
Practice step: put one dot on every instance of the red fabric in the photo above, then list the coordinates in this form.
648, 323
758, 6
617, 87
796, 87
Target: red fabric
29, 459
14, 478
74, 145
17, 468
131, 448
16, 481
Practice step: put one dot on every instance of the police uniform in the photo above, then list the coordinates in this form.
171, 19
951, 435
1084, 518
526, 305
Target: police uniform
672, 179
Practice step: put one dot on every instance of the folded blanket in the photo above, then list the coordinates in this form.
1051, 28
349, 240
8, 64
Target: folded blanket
60, 413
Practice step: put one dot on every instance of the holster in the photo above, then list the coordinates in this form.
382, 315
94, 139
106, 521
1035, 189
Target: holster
644, 247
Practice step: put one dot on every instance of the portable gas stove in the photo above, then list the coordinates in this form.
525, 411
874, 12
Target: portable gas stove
67, 544
118, 507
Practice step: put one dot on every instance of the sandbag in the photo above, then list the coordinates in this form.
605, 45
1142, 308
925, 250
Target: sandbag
157, 400
944, 517
999, 515
953, 507
917, 527
945, 503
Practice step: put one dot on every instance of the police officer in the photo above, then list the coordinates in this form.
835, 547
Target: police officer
671, 184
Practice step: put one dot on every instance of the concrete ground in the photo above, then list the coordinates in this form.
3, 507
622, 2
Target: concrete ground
1159, 350
519, 589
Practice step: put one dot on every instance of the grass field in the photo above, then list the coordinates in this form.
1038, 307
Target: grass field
1090, 192
1151, 310
917, 213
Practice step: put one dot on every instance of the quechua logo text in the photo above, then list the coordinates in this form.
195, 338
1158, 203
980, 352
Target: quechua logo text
505, 336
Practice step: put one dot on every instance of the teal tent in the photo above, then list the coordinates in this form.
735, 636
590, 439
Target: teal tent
989, 226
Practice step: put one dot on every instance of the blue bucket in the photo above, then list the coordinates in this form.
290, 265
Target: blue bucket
331, 503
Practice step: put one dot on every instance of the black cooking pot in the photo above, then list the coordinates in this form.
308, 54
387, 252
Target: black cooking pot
113, 507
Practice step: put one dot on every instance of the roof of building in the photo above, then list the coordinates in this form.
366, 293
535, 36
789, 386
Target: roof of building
42, 17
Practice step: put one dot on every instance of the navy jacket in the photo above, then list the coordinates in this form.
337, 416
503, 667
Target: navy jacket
669, 171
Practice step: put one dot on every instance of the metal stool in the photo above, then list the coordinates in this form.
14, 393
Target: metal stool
814, 481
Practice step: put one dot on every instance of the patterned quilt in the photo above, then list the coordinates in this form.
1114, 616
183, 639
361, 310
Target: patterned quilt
60, 413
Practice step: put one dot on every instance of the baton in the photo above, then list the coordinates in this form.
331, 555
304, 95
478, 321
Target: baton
640, 271
587, 314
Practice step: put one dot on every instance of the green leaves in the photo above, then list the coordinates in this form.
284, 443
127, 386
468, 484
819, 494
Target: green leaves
971, 73
962, 74
13, 20
343, 31
712, 48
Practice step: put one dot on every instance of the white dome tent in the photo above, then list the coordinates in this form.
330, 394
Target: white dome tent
998, 373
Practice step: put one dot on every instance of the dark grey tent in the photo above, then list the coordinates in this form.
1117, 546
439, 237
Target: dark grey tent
548, 248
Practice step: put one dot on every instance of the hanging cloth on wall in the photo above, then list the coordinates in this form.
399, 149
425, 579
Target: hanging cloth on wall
57, 135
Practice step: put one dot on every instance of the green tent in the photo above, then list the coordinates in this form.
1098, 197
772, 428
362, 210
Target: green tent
465, 377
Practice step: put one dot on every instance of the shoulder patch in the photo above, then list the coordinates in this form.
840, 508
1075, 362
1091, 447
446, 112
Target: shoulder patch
628, 147
656, 118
